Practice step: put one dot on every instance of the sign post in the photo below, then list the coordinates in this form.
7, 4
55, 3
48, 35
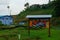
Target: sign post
49, 29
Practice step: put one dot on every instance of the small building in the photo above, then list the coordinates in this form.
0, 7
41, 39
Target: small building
39, 20
6, 20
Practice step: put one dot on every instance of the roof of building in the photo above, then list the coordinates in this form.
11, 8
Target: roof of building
38, 16
6, 16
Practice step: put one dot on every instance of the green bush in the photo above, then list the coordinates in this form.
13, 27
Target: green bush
1, 23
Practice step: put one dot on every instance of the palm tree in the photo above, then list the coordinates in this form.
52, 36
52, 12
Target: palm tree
57, 8
9, 10
8, 7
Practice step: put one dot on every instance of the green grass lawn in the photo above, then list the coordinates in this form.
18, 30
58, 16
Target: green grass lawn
41, 33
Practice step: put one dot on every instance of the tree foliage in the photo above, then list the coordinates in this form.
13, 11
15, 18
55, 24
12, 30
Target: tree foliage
36, 7
57, 8
1, 23
26, 5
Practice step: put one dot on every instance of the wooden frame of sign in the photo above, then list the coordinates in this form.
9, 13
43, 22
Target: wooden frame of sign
49, 33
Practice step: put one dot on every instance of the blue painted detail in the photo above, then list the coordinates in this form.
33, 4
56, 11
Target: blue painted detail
6, 20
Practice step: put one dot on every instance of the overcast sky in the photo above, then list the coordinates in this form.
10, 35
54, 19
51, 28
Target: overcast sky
17, 6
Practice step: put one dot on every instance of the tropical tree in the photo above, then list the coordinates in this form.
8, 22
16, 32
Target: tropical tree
26, 5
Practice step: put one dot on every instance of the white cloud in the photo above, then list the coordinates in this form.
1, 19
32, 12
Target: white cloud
4, 2
37, 1
17, 6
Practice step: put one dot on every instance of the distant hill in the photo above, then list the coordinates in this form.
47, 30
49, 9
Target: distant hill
37, 9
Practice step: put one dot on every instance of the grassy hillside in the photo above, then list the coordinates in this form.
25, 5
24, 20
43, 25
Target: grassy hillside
42, 11
36, 9
37, 12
